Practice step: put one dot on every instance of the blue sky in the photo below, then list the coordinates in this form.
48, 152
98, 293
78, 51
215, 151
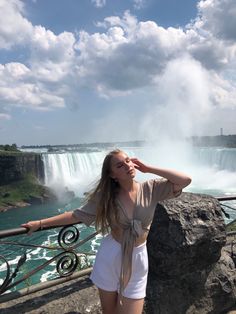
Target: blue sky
100, 70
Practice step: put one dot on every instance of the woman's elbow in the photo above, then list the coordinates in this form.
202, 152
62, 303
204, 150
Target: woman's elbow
187, 181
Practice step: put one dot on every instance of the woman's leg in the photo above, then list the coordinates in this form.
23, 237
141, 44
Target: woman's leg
129, 306
108, 301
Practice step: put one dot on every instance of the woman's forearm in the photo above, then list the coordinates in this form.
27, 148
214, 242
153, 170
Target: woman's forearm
66, 218
173, 176
59, 220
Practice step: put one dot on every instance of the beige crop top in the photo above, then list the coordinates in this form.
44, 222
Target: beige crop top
148, 195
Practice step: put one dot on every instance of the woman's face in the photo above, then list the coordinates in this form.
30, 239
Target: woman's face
122, 168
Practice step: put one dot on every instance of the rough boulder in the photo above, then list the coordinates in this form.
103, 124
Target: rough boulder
191, 268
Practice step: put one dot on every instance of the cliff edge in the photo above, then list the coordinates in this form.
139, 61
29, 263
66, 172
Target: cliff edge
21, 180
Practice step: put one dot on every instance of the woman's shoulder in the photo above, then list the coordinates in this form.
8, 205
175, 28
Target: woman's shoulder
148, 183
151, 185
147, 186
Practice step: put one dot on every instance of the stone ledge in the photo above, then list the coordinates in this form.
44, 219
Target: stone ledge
77, 296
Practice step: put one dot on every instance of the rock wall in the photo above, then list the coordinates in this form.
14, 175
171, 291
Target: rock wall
190, 269
14, 167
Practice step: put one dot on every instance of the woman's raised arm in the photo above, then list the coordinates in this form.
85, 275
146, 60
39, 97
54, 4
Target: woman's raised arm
179, 179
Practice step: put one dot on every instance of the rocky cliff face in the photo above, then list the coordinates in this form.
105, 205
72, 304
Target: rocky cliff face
14, 167
191, 268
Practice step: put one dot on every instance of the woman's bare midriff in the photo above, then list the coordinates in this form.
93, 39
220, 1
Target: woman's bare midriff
117, 235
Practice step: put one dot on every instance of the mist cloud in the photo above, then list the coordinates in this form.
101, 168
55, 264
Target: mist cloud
184, 100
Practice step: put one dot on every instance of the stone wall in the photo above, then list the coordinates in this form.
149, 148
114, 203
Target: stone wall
14, 167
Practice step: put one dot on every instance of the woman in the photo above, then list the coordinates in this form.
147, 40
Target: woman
123, 208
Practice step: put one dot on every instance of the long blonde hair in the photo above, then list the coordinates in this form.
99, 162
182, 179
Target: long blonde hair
104, 194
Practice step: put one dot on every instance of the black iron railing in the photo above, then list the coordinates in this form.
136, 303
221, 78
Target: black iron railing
223, 206
67, 257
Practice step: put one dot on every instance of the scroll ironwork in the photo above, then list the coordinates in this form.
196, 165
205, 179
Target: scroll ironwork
67, 260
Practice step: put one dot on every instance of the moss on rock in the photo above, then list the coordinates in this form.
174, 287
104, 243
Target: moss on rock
24, 192
231, 226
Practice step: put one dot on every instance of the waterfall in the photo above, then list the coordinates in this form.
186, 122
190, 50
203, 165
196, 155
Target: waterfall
212, 169
219, 158
73, 171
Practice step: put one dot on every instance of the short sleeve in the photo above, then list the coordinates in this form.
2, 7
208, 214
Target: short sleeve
86, 213
163, 189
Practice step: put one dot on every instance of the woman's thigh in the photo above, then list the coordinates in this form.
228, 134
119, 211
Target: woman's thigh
108, 301
129, 306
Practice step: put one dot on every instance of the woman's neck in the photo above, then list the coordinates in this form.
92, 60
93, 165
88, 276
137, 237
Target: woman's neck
128, 186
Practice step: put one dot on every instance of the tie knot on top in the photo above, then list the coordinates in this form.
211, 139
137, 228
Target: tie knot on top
136, 226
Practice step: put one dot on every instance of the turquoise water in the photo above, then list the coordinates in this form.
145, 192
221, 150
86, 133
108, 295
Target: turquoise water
37, 256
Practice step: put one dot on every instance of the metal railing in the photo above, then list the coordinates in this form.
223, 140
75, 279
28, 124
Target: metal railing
223, 206
67, 259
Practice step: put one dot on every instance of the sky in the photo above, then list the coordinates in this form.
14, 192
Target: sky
82, 71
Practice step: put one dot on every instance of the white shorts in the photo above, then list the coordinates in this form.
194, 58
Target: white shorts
106, 270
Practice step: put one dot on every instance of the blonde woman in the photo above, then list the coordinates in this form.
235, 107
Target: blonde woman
122, 209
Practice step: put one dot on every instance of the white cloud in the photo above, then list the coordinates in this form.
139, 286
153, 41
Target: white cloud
132, 54
139, 4
5, 116
42, 84
17, 88
29, 95
12, 72
14, 27
126, 56
48, 45
51, 56
212, 53
223, 91
218, 17
135, 51
99, 3
212, 34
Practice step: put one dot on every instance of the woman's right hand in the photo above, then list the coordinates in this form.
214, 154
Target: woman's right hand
139, 165
32, 226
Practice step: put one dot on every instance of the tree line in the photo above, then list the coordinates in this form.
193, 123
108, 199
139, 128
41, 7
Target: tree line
9, 148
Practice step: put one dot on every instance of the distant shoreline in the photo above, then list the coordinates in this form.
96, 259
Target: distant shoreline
227, 141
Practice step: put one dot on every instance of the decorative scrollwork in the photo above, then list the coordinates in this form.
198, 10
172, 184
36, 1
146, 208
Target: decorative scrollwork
67, 263
5, 283
9, 276
68, 236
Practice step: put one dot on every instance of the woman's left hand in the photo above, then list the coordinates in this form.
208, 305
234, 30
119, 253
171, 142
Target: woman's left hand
139, 165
